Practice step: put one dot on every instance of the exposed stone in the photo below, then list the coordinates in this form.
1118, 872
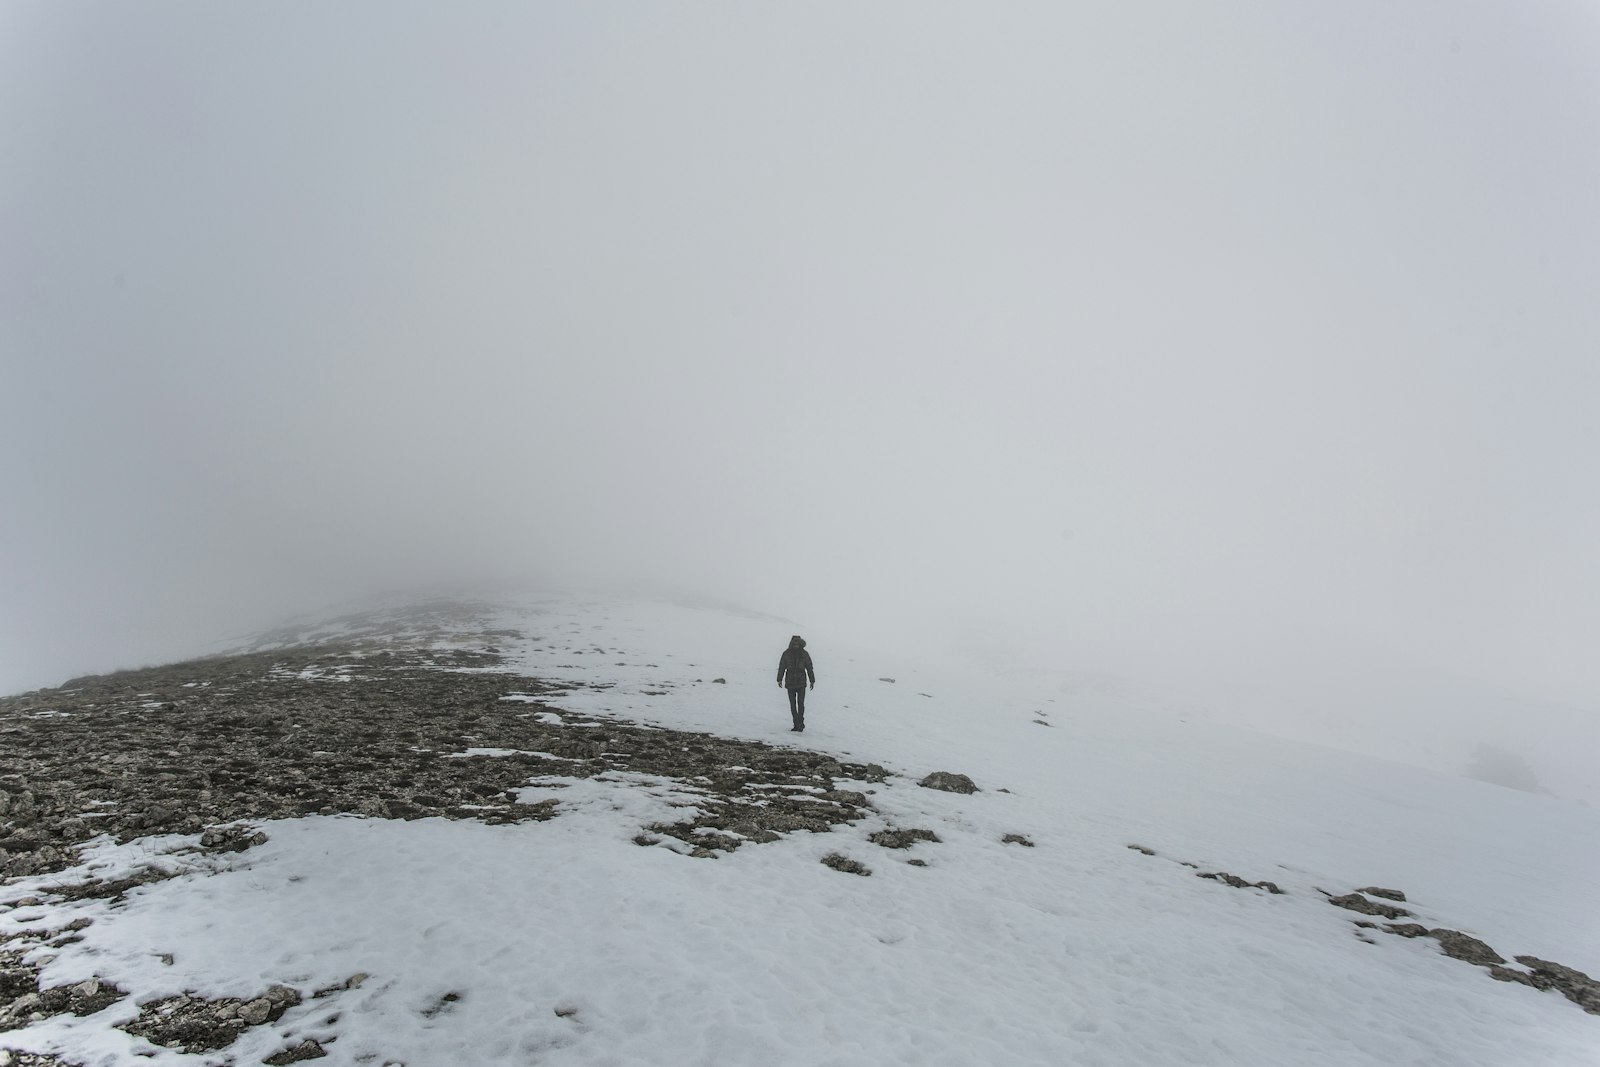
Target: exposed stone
748, 830
902, 838
1460, 946
331, 728
1357, 902
1239, 883
23, 1001
1141, 848
1572, 984
1016, 839
1407, 929
844, 863
949, 782
1387, 894
1507, 974
305, 1050
12, 1057
232, 838
191, 1023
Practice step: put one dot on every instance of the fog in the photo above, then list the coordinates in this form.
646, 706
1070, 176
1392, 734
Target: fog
1253, 343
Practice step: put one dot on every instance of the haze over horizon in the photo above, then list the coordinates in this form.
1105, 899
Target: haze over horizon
1248, 343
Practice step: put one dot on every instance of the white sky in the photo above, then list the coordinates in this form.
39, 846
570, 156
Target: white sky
1107, 335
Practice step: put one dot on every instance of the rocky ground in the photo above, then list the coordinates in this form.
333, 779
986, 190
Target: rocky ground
212, 746
321, 731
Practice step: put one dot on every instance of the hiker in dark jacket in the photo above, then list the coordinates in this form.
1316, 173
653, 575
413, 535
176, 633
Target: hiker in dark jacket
794, 667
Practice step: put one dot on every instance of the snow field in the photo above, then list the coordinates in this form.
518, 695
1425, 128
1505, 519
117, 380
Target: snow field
564, 942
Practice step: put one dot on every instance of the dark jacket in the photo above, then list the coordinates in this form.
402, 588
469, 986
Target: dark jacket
796, 664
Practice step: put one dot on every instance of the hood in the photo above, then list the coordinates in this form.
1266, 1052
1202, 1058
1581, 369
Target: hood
797, 641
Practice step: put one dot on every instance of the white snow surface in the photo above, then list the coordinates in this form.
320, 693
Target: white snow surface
563, 942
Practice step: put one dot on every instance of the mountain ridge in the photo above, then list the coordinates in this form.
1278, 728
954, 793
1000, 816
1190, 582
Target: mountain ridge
592, 746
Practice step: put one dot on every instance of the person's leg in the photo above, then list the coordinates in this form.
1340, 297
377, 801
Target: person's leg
800, 709
794, 714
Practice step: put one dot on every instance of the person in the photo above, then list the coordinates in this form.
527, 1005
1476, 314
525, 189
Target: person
794, 667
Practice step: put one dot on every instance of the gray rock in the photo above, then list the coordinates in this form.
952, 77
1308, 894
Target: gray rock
1460, 946
1572, 984
1407, 929
843, 863
305, 1050
949, 782
1239, 883
1387, 894
1357, 902
902, 838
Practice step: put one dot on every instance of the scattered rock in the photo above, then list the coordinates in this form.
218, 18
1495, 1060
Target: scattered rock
23, 1001
11, 1057
231, 838
442, 1005
1460, 946
1357, 902
1016, 839
1407, 929
1239, 883
719, 681
1141, 848
1572, 984
949, 782
916, 863
1387, 894
844, 863
889, 680
191, 1023
332, 728
305, 1050
902, 838
1506, 974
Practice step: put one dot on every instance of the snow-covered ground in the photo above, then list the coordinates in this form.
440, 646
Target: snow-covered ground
563, 942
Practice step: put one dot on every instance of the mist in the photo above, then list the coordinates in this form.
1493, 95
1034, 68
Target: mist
1250, 346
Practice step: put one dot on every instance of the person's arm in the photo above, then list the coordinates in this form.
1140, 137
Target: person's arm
811, 671
780, 667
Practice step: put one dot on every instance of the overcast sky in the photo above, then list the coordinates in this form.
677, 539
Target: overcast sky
1107, 334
